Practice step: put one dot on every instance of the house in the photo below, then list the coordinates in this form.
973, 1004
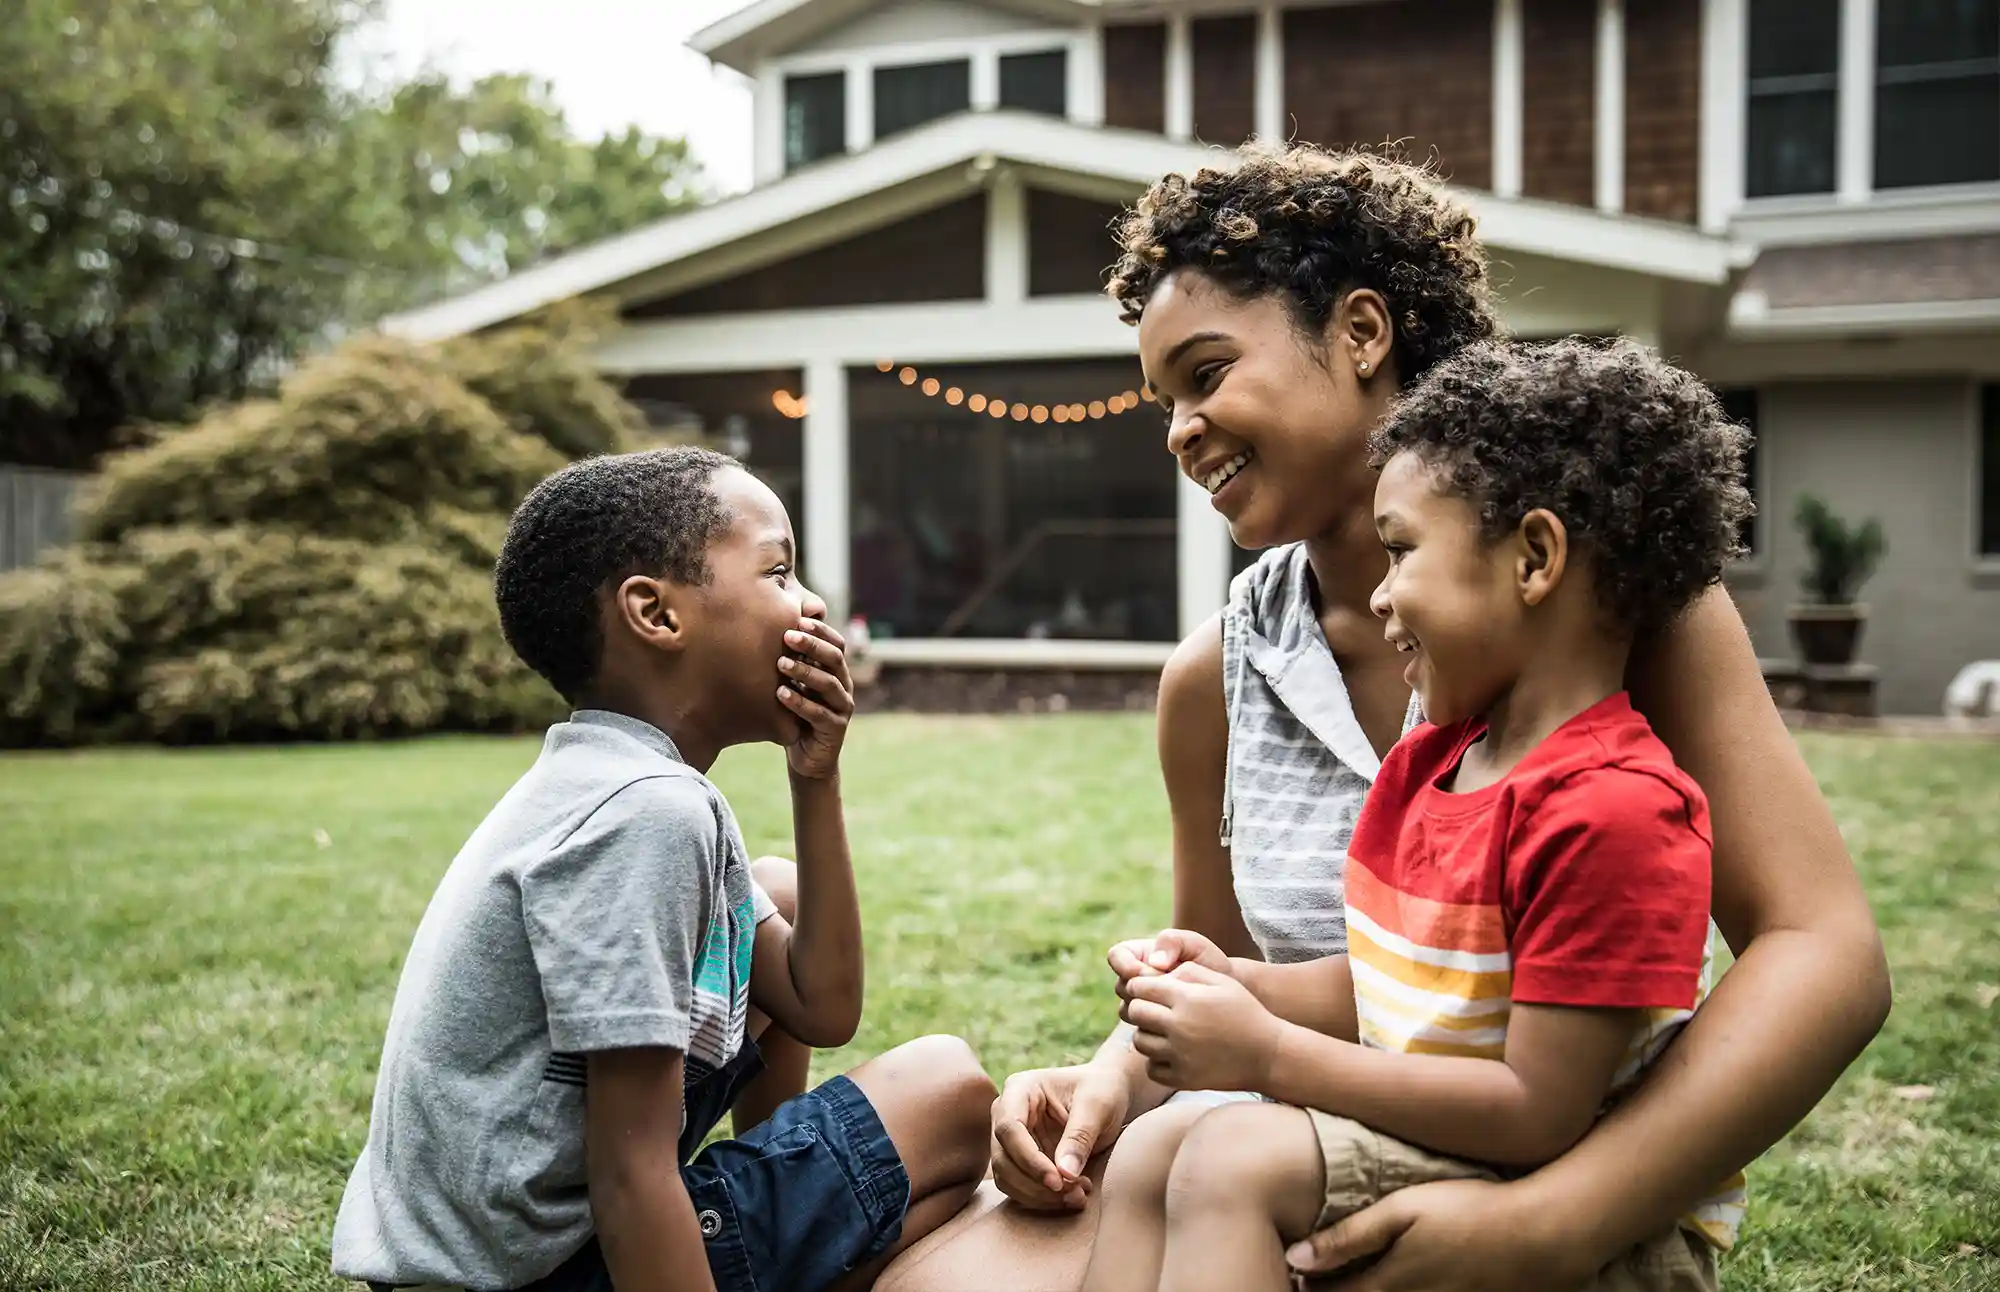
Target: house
900, 324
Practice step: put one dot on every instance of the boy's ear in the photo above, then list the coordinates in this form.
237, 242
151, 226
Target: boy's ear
650, 609
1542, 555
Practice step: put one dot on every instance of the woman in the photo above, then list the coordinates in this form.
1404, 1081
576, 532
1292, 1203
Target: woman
1280, 307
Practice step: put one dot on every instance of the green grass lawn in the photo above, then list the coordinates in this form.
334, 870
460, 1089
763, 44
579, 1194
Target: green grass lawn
197, 954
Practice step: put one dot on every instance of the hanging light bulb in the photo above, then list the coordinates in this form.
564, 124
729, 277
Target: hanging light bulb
976, 402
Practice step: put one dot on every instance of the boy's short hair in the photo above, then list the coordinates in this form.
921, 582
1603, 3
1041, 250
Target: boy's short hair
1633, 454
590, 525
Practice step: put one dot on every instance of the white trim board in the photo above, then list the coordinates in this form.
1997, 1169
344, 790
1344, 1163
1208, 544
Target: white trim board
1132, 158
768, 28
1751, 318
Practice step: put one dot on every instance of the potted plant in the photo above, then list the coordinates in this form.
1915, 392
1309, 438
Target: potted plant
1827, 626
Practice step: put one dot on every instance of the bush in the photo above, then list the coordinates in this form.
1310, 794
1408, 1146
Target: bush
314, 566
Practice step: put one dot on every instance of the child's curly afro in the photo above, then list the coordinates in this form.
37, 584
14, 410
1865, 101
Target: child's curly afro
1633, 454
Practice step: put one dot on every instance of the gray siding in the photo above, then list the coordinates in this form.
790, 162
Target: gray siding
34, 512
1903, 452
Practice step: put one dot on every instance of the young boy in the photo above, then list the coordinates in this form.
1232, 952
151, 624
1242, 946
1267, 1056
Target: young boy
580, 1005
1528, 885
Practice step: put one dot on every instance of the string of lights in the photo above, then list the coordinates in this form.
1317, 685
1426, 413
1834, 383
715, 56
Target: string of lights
794, 406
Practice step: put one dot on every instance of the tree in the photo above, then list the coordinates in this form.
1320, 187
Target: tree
192, 199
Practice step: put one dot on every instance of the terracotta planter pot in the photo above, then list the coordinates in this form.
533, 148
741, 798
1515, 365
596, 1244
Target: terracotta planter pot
1828, 635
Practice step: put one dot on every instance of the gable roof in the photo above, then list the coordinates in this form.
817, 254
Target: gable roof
970, 142
767, 27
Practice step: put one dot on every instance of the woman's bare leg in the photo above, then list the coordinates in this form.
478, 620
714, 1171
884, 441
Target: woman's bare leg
935, 1102
787, 1060
1131, 1235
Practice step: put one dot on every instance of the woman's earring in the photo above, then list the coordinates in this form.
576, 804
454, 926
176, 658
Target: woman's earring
1364, 367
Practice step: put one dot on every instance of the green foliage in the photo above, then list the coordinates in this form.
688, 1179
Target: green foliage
315, 566
190, 197
1842, 556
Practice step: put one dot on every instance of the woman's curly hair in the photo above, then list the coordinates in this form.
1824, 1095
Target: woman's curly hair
1634, 455
1311, 226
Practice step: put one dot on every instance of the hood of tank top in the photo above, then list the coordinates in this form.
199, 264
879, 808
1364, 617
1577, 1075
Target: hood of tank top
1271, 604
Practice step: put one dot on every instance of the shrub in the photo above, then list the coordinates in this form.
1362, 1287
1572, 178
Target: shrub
313, 566
1842, 557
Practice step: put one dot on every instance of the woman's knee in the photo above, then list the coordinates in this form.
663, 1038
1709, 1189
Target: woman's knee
1262, 1155
779, 878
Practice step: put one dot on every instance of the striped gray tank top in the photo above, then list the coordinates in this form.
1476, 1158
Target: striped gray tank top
1299, 764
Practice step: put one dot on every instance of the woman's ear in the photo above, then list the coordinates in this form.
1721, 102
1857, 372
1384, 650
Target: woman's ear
647, 608
1363, 334
1543, 542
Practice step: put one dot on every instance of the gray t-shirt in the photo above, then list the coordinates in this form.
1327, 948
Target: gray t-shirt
604, 903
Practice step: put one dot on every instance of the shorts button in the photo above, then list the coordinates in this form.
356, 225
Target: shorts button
710, 1222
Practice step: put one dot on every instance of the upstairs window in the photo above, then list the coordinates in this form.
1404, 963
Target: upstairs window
1937, 92
1794, 90
1035, 82
909, 96
815, 118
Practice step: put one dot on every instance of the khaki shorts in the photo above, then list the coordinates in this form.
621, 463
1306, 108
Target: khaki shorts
1364, 1166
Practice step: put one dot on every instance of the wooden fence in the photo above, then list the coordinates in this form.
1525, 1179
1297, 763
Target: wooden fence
34, 512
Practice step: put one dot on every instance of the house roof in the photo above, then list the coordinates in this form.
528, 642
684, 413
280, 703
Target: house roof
1853, 286
971, 142
766, 27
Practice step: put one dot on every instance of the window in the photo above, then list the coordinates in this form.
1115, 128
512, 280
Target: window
1740, 406
815, 118
1937, 92
1794, 85
1989, 470
906, 97
1035, 82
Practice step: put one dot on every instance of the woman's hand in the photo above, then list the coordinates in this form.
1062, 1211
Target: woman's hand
1046, 1125
1201, 1030
1452, 1236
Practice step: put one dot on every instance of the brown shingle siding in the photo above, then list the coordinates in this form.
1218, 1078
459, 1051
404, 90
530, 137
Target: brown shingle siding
1663, 108
1415, 71
937, 256
1225, 77
1135, 76
1070, 248
1559, 128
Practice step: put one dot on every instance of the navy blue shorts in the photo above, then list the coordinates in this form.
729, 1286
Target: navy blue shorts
791, 1206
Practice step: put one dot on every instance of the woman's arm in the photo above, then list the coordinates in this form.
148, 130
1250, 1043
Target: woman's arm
1810, 987
1048, 1123
1808, 992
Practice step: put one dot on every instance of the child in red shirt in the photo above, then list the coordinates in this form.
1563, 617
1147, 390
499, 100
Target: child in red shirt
1528, 885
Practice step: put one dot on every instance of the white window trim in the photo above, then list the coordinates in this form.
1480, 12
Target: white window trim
1510, 80
1725, 86
1179, 84
1854, 142
1608, 92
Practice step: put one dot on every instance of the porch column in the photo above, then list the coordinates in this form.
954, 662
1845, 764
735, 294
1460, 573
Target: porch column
827, 544
1202, 539
1006, 238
